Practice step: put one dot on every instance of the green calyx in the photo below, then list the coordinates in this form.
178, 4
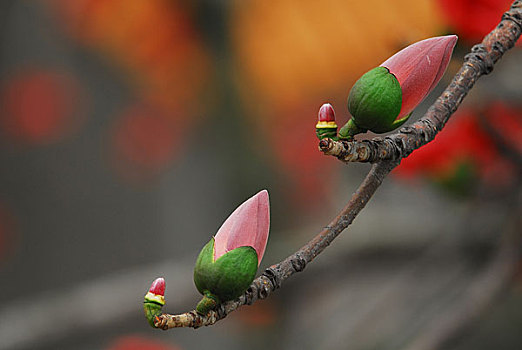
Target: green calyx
322, 133
374, 102
224, 279
151, 309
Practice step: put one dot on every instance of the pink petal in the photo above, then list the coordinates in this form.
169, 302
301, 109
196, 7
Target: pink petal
248, 225
158, 286
419, 67
326, 113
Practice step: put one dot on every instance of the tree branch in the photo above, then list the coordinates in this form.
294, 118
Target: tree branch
275, 275
478, 62
386, 154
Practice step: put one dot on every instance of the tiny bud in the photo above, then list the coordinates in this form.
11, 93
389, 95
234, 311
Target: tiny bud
158, 286
154, 300
326, 113
326, 127
156, 292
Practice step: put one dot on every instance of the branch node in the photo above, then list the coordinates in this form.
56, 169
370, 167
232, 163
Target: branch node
480, 56
273, 275
325, 145
298, 262
513, 15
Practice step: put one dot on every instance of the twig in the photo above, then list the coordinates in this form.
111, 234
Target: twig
478, 62
386, 154
276, 274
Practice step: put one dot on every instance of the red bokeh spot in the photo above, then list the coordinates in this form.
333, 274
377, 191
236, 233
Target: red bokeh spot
310, 174
155, 42
466, 139
473, 19
145, 142
136, 342
507, 121
40, 106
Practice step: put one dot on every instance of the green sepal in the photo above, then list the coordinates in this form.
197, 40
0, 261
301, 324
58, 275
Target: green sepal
349, 130
207, 303
375, 100
151, 309
227, 277
323, 133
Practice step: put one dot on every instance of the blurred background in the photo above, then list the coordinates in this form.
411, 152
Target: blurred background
130, 130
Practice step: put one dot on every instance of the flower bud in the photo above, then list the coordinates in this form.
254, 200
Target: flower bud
154, 300
383, 98
326, 126
227, 264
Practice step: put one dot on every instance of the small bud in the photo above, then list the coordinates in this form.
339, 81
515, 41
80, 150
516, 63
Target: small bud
384, 98
154, 300
158, 288
227, 264
326, 126
326, 113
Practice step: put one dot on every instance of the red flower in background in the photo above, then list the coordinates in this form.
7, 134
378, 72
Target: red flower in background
309, 173
41, 106
136, 342
466, 141
473, 19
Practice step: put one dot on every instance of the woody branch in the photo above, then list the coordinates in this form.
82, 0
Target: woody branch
386, 153
478, 62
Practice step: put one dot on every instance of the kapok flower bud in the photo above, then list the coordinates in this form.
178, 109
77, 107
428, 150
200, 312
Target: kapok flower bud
227, 264
383, 98
326, 126
154, 300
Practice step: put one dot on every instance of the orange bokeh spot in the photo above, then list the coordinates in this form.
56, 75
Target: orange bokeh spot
40, 106
291, 51
154, 42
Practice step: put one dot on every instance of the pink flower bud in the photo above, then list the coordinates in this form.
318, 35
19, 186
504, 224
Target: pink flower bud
419, 67
248, 225
154, 300
158, 287
326, 113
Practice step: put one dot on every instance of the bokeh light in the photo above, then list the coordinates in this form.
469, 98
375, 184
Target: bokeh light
468, 140
41, 106
471, 20
137, 342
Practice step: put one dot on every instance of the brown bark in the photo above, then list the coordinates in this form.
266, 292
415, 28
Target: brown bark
386, 153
